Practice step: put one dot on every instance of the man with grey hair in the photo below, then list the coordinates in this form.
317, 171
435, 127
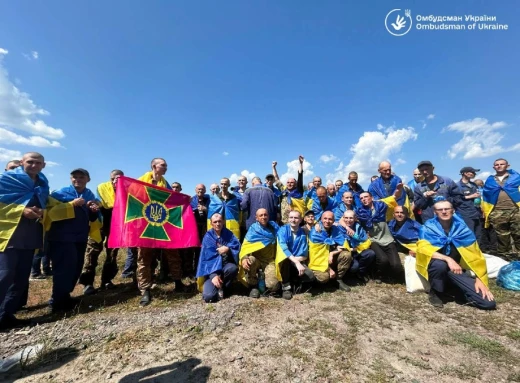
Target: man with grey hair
214, 189
259, 197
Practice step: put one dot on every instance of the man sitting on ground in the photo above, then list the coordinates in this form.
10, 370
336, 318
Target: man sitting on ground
446, 246
405, 231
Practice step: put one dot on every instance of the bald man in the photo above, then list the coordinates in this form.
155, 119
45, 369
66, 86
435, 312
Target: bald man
386, 185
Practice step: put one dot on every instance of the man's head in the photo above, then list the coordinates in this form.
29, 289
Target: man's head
32, 163
331, 189
443, 210
256, 181
262, 217
159, 166
217, 222
269, 180
224, 184
200, 190
79, 179
321, 193
295, 218
349, 217
417, 176
11, 165
176, 186
366, 198
327, 219
400, 213
310, 185
385, 169
373, 178
114, 176
316, 182
468, 172
291, 184
426, 169
338, 184
479, 183
308, 218
347, 198
242, 182
500, 165
214, 189
352, 178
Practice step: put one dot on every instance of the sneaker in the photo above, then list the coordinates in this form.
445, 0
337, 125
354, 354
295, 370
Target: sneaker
343, 286
146, 299
435, 300
255, 293
286, 291
89, 290
39, 277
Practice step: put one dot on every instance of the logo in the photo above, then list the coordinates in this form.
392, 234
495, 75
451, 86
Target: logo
155, 213
398, 23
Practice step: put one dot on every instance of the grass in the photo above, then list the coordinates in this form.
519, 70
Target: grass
381, 372
515, 334
486, 347
462, 371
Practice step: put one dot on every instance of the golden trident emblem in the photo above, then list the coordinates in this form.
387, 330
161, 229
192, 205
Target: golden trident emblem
156, 213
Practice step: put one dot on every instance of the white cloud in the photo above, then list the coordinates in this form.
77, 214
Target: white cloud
34, 54
380, 127
430, 117
3, 51
480, 139
483, 176
8, 137
225, 153
233, 178
372, 148
51, 164
399, 161
292, 171
326, 158
8, 155
19, 112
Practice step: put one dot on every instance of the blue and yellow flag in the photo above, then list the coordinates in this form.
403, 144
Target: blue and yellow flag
492, 189
210, 260
378, 190
287, 246
295, 200
148, 178
433, 238
229, 210
319, 246
106, 194
407, 235
17, 189
318, 209
357, 242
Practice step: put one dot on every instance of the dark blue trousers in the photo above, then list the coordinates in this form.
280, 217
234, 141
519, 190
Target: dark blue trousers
67, 262
228, 274
361, 262
15, 268
130, 262
439, 276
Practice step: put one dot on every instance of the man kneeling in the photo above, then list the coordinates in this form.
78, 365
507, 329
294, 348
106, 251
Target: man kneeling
445, 243
217, 268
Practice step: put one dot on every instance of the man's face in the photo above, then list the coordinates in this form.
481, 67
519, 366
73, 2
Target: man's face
214, 189
79, 180
294, 219
426, 171
216, 223
316, 182
444, 211
262, 217
469, 175
322, 195
500, 166
32, 165
309, 218
113, 178
366, 199
479, 183
399, 214
327, 219
310, 185
331, 189
338, 185
291, 184
224, 184
242, 182
348, 218
386, 171
200, 190
269, 181
347, 198
352, 179
176, 187
160, 167
417, 176
11, 166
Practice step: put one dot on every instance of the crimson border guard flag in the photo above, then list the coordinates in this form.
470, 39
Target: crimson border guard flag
149, 216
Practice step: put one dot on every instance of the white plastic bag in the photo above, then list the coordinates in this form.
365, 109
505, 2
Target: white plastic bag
414, 281
494, 264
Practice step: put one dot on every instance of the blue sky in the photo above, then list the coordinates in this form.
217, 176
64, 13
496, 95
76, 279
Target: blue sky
217, 88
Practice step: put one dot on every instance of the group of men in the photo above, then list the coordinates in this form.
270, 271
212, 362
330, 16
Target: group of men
271, 237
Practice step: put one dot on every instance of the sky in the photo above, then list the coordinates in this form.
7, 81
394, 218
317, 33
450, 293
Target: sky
224, 88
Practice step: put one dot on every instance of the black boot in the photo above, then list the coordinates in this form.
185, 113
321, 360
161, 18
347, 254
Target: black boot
146, 298
435, 300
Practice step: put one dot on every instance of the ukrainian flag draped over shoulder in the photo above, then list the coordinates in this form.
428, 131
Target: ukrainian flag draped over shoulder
295, 200
229, 209
106, 194
62, 208
287, 246
16, 191
357, 242
210, 260
492, 189
378, 190
148, 178
407, 235
319, 245
432, 238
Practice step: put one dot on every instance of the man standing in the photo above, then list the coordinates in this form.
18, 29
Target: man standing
214, 189
468, 210
351, 186
331, 190
106, 195
226, 204
322, 203
23, 197
385, 186
259, 197
432, 189
347, 203
338, 184
239, 193
417, 179
445, 247
292, 193
199, 204
501, 208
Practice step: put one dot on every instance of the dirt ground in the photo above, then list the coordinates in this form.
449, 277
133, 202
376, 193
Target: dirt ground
376, 333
